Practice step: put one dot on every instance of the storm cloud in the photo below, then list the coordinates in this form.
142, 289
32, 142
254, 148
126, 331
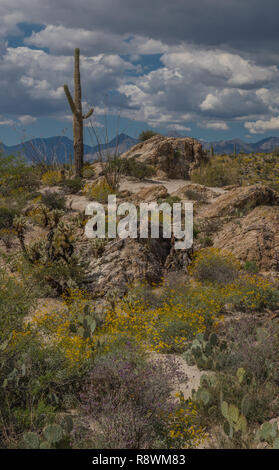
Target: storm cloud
216, 61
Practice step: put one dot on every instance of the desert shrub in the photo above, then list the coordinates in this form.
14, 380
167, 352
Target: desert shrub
53, 263
137, 169
71, 329
16, 176
55, 277
98, 191
217, 173
193, 195
72, 186
53, 200
130, 402
206, 241
145, 135
251, 292
7, 235
52, 177
214, 266
16, 299
251, 267
169, 199
36, 382
211, 226
88, 171
196, 231
253, 347
247, 377
130, 167
7, 216
165, 324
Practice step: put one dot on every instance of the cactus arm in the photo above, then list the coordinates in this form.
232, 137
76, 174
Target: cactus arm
70, 100
86, 116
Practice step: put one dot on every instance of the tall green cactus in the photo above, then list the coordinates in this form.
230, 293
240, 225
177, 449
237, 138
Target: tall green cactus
78, 117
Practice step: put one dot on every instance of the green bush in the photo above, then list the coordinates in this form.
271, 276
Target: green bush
251, 267
217, 173
193, 195
36, 382
6, 217
72, 186
53, 200
16, 176
214, 266
145, 135
131, 167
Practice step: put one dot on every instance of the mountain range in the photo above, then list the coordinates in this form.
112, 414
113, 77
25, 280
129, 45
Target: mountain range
60, 148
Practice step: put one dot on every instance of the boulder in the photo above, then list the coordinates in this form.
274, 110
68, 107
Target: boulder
254, 237
171, 157
126, 261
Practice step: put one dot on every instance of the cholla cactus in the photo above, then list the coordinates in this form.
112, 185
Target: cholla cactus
20, 227
78, 117
63, 240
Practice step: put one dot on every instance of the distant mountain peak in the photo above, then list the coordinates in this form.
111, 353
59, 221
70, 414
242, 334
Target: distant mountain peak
63, 147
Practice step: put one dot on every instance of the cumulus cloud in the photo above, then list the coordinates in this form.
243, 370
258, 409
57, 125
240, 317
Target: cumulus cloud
217, 125
6, 122
26, 119
260, 126
214, 67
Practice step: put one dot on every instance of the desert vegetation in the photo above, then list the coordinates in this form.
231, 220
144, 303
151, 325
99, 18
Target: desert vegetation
88, 367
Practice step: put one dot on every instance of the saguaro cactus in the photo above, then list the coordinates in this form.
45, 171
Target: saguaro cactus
78, 117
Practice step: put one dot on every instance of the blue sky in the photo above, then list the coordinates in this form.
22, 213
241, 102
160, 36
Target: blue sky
203, 68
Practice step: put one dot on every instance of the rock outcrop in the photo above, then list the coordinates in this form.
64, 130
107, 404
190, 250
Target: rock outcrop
241, 200
171, 157
254, 237
125, 261
152, 193
202, 191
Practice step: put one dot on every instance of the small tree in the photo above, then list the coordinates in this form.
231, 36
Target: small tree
78, 117
145, 135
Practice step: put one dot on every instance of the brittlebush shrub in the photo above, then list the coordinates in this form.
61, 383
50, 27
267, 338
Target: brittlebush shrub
168, 324
251, 292
52, 177
212, 265
98, 191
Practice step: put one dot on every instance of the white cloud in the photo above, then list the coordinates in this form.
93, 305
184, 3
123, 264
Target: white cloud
261, 126
218, 66
217, 125
196, 81
179, 127
6, 122
62, 40
26, 119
